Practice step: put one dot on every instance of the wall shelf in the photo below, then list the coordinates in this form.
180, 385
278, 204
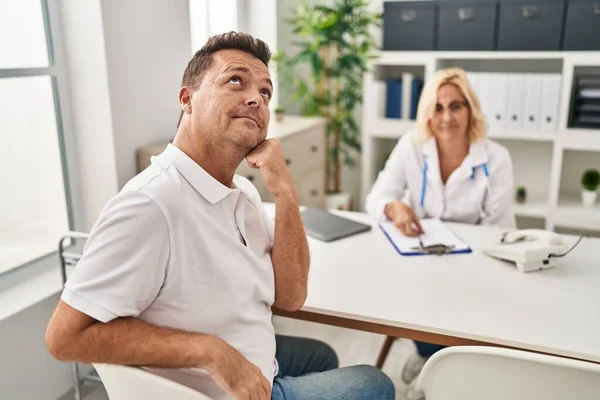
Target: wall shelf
536, 206
543, 162
570, 212
526, 136
580, 139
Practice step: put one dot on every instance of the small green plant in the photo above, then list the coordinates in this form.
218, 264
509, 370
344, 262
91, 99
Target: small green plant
279, 110
521, 194
590, 180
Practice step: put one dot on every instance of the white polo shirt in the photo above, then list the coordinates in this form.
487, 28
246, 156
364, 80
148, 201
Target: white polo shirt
178, 249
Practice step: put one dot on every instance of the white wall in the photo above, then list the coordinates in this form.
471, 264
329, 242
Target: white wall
83, 35
27, 371
147, 49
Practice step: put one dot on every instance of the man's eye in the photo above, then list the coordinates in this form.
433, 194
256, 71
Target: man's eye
266, 93
234, 80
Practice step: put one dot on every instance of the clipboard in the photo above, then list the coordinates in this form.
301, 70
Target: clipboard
435, 233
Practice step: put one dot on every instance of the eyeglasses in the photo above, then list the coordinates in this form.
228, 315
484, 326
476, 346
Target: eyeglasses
455, 107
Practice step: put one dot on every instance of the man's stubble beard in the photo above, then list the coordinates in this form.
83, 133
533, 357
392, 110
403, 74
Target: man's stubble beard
231, 147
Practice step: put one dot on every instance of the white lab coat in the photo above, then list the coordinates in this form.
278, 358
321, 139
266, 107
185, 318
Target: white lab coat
469, 196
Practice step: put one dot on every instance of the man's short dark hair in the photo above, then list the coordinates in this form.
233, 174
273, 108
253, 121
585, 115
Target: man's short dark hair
202, 60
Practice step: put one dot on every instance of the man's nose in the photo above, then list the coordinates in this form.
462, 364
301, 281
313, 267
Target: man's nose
255, 100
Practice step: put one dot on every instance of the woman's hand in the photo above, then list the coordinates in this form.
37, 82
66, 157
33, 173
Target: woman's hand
404, 218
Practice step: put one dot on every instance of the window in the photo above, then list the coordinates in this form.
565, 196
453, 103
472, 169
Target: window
211, 17
34, 199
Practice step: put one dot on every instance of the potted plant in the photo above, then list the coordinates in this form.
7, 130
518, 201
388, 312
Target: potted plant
521, 194
590, 180
279, 110
335, 44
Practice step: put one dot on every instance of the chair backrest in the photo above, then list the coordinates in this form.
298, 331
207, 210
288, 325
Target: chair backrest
132, 383
474, 372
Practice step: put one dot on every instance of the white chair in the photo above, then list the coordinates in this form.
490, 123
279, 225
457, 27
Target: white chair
132, 383
491, 373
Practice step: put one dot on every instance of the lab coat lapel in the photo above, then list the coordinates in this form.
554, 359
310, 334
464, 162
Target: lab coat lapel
473, 162
434, 178
478, 154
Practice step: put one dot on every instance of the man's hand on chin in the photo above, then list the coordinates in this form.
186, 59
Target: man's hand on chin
268, 158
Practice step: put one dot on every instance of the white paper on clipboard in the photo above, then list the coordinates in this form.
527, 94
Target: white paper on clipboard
435, 233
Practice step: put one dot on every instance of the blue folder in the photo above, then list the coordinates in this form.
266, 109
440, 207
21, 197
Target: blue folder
415, 95
393, 99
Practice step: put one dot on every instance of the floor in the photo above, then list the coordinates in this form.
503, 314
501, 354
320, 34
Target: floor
352, 347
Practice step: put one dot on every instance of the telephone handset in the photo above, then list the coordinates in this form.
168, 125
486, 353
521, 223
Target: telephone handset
529, 249
538, 235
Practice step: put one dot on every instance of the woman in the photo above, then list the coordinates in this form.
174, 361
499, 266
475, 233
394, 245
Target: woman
445, 169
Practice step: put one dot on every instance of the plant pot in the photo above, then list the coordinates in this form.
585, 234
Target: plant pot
588, 197
338, 201
521, 199
279, 117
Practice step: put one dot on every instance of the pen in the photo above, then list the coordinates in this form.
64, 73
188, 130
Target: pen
420, 241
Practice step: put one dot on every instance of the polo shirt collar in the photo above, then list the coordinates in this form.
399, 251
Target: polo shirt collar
210, 188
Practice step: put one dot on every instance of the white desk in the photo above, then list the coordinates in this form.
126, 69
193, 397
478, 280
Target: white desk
361, 282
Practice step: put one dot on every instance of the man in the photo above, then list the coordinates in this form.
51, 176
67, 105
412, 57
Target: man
182, 267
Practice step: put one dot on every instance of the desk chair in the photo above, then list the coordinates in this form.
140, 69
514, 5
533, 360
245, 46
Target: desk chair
492, 373
132, 383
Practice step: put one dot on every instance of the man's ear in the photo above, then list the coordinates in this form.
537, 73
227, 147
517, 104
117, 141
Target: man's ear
185, 99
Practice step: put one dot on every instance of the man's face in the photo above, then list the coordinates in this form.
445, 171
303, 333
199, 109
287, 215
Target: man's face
231, 104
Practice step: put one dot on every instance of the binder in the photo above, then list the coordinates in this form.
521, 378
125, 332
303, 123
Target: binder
497, 96
515, 104
590, 93
533, 103
415, 95
473, 78
550, 100
407, 80
393, 99
483, 91
376, 94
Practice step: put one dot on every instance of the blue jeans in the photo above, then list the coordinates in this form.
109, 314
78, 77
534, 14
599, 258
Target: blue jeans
308, 370
426, 350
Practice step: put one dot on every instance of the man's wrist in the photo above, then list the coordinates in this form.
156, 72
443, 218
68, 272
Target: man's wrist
286, 193
206, 353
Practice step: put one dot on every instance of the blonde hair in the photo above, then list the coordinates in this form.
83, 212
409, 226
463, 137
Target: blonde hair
457, 77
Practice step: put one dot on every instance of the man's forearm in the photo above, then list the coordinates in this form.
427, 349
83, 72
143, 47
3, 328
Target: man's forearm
290, 254
129, 341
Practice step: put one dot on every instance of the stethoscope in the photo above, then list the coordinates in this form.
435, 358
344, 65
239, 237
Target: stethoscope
483, 166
